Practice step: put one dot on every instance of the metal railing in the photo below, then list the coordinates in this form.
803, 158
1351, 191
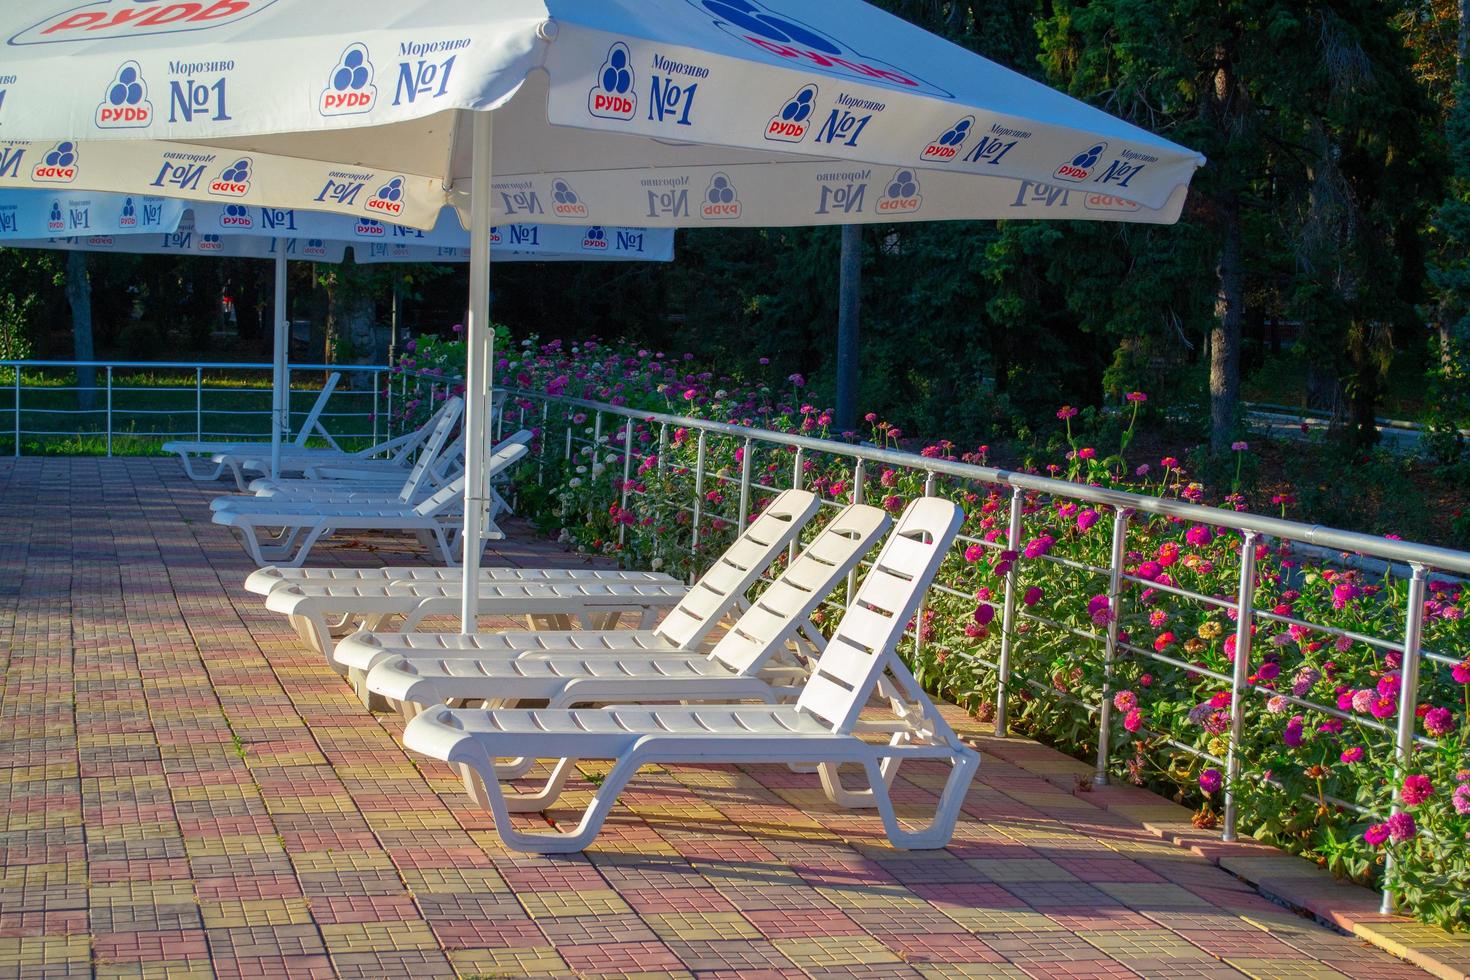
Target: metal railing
1021, 493
148, 402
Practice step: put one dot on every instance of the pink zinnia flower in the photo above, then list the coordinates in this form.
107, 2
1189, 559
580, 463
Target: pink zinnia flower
1376, 834
1292, 736
1066, 412
1362, 701
1199, 535
1087, 518
1032, 597
1354, 754
1133, 721
1136, 396
1240, 447
1269, 671
1125, 700
1401, 827
1461, 799
984, 614
1210, 780
1461, 672
1416, 790
1383, 708
1439, 721
973, 553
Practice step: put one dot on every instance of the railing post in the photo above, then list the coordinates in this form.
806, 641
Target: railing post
627, 478
17, 410
199, 404
1408, 702
698, 493
567, 453
375, 411
545, 441
1008, 614
747, 451
388, 395
1245, 615
797, 474
663, 449
1110, 651
859, 476
929, 485
109, 411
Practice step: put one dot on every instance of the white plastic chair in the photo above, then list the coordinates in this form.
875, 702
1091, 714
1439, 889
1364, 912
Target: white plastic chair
822, 726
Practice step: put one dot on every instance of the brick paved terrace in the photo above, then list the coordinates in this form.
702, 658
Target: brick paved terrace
188, 792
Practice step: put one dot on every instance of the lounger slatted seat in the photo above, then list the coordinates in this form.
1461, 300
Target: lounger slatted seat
824, 725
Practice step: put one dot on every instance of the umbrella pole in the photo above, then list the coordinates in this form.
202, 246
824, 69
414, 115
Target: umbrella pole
280, 374
480, 349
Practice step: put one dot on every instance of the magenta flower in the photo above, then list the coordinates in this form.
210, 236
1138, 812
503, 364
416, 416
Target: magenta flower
1439, 721
1210, 781
1133, 721
1239, 447
1354, 754
1376, 834
1066, 412
1292, 735
1142, 470
1199, 535
1416, 790
1461, 799
1087, 452
974, 553
458, 328
1032, 597
1383, 708
1269, 671
1461, 672
1136, 396
984, 614
1125, 700
1087, 518
1401, 827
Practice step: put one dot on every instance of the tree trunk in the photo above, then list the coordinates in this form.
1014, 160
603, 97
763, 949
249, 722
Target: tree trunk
79, 295
1225, 335
351, 331
849, 309
1364, 395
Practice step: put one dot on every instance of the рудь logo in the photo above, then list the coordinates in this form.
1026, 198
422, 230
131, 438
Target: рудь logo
1079, 168
565, 201
595, 240
791, 124
350, 89
721, 200
901, 196
613, 96
236, 217
234, 180
389, 199
947, 146
58, 166
125, 104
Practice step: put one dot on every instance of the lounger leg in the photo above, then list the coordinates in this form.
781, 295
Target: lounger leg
299, 558
964, 763
489, 794
194, 474
241, 480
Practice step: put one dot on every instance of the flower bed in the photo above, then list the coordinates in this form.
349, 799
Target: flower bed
1317, 744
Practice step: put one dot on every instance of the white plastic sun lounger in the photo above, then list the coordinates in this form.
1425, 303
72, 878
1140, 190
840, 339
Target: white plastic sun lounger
397, 452
735, 670
264, 581
686, 626
188, 450
822, 727
409, 489
306, 522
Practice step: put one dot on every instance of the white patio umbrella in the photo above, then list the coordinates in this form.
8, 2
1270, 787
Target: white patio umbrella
647, 112
39, 214
165, 226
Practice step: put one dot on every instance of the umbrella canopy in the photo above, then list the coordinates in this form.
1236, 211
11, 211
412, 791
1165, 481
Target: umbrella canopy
37, 214
633, 112
628, 112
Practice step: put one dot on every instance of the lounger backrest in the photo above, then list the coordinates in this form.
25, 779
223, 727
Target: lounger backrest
505, 456
734, 572
313, 418
848, 669
772, 619
406, 444
448, 416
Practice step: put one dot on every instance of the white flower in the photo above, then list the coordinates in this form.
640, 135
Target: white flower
581, 469
656, 564
574, 482
598, 470
611, 458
